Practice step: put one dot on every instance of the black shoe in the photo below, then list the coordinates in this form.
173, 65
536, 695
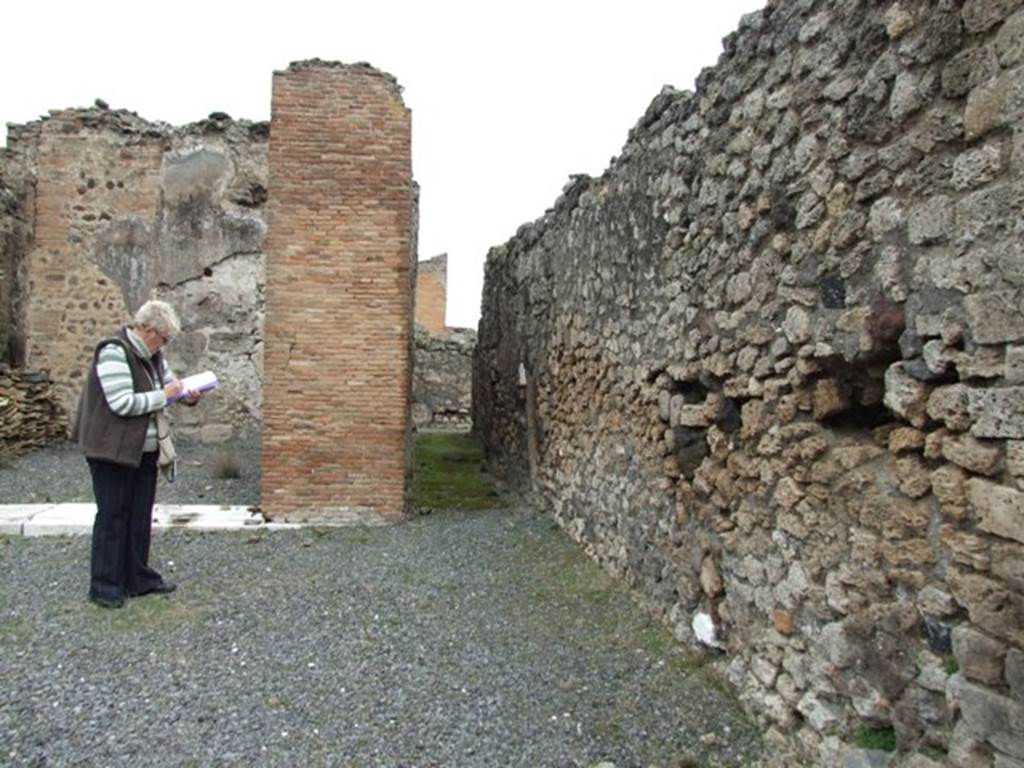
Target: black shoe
107, 602
163, 588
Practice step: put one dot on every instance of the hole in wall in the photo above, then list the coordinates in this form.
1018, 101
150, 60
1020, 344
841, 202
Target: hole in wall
860, 417
860, 392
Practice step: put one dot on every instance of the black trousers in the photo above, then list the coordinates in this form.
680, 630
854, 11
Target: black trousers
121, 531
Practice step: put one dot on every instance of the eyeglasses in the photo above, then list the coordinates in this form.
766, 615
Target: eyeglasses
164, 338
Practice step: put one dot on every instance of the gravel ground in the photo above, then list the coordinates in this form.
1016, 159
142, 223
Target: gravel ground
455, 639
59, 473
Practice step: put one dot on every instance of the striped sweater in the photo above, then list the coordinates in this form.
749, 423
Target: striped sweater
116, 381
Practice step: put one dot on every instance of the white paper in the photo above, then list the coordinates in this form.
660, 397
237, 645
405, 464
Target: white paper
199, 382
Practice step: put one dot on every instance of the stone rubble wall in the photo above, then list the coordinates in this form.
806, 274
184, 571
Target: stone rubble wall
442, 379
769, 369
124, 210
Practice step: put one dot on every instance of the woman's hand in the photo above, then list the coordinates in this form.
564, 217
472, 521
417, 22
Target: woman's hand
173, 390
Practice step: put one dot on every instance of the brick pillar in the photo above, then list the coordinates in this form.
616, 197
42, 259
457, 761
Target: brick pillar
431, 293
338, 331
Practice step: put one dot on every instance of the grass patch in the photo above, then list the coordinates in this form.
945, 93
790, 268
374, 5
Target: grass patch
656, 640
951, 665
882, 738
449, 474
15, 629
143, 614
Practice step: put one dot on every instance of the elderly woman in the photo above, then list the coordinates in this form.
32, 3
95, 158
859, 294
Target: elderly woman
128, 387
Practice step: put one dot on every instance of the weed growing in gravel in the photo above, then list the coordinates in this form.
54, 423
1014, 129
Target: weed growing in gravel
143, 615
226, 466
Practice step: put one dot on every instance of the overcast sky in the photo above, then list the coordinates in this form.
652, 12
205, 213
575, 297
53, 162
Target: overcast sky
508, 99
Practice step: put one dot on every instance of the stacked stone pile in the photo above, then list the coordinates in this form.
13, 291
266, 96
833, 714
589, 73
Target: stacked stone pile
30, 416
767, 368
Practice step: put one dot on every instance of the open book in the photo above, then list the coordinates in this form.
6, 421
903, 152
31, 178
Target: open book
199, 382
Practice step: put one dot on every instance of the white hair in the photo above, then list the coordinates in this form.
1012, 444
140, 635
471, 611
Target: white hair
158, 316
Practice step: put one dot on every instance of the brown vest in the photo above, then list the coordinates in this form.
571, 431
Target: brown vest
101, 433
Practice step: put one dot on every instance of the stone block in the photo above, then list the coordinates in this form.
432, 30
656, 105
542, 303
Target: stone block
1014, 673
908, 95
779, 711
710, 579
1015, 457
981, 15
980, 363
797, 325
967, 70
965, 749
929, 221
865, 758
986, 213
935, 603
971, 454
1000, 510
933, 675
206, 517
898, 21
979, 656
997, 103
997, 412
831, 397
664, 403
906, 396
906, 439
788, 493
950, 405
14, 516
690, 416
61, 519
821, 714
976, 167
908, 553
1014, 370
948, 484
992, 607
994, 718
967, 548
1008, 563
933, 442
911, 476
1010, 41
783, 622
